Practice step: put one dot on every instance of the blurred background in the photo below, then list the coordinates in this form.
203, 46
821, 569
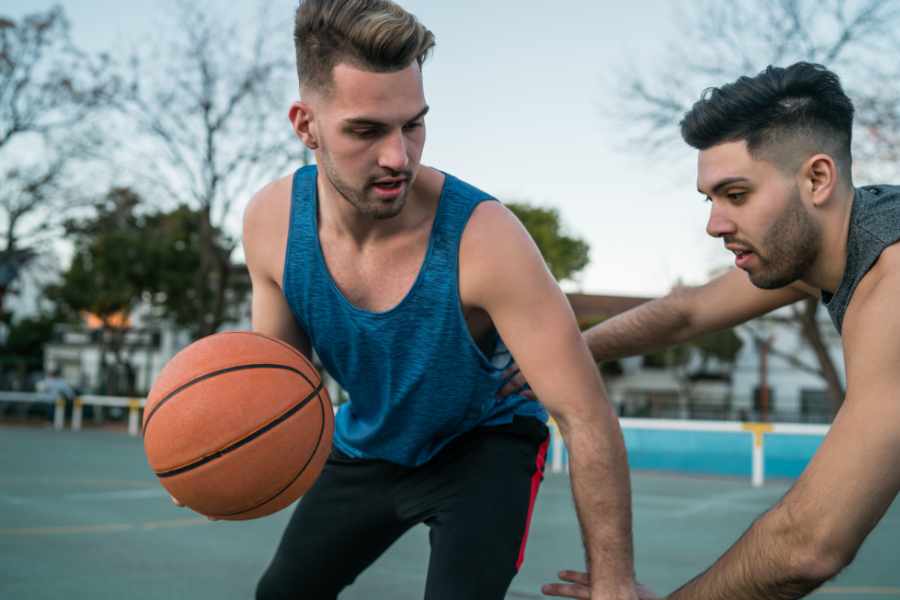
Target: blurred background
133, 135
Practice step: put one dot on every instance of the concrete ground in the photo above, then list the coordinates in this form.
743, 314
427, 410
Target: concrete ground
81, 516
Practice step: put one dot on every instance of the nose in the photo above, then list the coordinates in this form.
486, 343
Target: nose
719, 223
393, 153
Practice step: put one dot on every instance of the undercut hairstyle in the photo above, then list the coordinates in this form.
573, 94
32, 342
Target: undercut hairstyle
374, 35
785, 115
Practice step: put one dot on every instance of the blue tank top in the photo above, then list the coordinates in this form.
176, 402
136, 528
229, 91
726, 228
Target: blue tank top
415, 377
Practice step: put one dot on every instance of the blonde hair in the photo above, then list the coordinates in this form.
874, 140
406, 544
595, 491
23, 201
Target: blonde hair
375, 35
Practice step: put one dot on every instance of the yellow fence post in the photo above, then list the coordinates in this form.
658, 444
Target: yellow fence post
134, 407
758, 429
76, 414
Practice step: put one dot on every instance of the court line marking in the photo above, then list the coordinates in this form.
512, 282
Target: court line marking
104, 527
862, 590
138, 494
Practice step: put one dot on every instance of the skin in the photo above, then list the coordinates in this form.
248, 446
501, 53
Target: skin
812, 533
368, 127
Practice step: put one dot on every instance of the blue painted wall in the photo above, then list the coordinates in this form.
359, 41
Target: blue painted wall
715, 453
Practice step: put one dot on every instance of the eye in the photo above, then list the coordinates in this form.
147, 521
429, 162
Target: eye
736, 196
707, 199
413, 125
365, 133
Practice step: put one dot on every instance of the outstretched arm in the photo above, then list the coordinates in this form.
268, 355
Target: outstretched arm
681, 315
817, 528
502, 272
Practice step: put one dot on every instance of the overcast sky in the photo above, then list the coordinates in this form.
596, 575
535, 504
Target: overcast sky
519, 93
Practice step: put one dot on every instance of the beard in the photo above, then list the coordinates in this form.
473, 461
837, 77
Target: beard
791, 245
361, 198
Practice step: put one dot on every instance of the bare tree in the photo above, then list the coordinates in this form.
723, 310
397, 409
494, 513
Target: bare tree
721, 40
210, 109
48, 90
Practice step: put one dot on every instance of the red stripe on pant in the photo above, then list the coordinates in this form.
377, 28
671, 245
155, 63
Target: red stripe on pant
535, 485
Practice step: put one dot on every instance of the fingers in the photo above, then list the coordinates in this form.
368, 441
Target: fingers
575, 577
565, 590
579, 586
645, 593
175, 501
515, 383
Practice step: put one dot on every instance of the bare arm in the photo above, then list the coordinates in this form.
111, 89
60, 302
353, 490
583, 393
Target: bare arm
817, 528
265, 241
685, 313
502, 271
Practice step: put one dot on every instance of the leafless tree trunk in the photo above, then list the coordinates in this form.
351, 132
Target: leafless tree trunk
48, 91
210, 109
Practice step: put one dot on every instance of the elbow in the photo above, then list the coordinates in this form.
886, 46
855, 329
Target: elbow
680, 301
815, 555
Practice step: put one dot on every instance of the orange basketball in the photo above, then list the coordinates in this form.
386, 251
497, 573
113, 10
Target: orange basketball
238, 425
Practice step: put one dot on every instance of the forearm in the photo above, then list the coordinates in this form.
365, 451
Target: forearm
649, 327
771, 561
601, 488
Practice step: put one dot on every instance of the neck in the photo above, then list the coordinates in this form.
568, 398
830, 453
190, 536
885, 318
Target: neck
828, 270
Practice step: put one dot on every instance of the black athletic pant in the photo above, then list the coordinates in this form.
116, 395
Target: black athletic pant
475, 496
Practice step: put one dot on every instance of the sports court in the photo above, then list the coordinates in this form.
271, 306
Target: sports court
81, 516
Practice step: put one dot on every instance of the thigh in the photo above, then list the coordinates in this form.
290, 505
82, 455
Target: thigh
478, 536
337, 530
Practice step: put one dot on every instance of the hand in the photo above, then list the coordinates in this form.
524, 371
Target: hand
515, 383
579, 586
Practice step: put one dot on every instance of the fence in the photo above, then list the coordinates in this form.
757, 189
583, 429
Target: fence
704, 447
711, 447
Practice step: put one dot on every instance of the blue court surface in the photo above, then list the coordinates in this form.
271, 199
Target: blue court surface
81, 516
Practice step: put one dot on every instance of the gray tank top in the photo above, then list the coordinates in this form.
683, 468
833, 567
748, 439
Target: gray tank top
874, 225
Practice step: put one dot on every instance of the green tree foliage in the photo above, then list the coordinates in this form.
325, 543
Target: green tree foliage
124, 256
565, 255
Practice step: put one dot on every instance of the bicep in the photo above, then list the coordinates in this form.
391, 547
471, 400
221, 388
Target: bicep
271, 315
503, 272
264, 248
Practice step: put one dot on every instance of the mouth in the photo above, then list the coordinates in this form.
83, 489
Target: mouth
742, 257
390, 187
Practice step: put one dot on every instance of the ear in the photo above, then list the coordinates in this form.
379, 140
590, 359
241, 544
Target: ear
303, 123
819, 178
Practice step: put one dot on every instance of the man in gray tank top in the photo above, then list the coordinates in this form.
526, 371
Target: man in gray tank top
775, 167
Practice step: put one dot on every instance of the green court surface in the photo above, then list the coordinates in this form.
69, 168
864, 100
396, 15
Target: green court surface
81, 516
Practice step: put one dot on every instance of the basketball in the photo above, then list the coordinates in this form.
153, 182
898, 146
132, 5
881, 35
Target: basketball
237, 425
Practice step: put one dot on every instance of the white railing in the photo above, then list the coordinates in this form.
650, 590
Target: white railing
558, 461
759, 431
59, 410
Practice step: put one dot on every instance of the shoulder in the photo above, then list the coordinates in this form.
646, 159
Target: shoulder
494, 230
265, 227
872, 315
269, 205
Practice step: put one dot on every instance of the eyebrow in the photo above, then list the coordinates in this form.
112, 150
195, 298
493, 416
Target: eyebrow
723, 183
367, 122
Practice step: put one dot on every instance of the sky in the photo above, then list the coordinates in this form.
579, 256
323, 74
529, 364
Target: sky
520, 94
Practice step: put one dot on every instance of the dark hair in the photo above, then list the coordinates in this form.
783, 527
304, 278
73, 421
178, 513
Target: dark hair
784, 114
377, 35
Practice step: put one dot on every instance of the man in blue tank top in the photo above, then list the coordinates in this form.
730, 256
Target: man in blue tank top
775, 166
404, 280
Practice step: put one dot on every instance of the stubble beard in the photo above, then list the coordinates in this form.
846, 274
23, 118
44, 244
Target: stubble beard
792, 246
357, 198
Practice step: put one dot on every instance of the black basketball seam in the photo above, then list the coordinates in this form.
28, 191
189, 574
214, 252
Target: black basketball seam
244, 440
291, 482
206, 376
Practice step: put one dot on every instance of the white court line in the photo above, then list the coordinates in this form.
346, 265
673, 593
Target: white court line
117, 495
